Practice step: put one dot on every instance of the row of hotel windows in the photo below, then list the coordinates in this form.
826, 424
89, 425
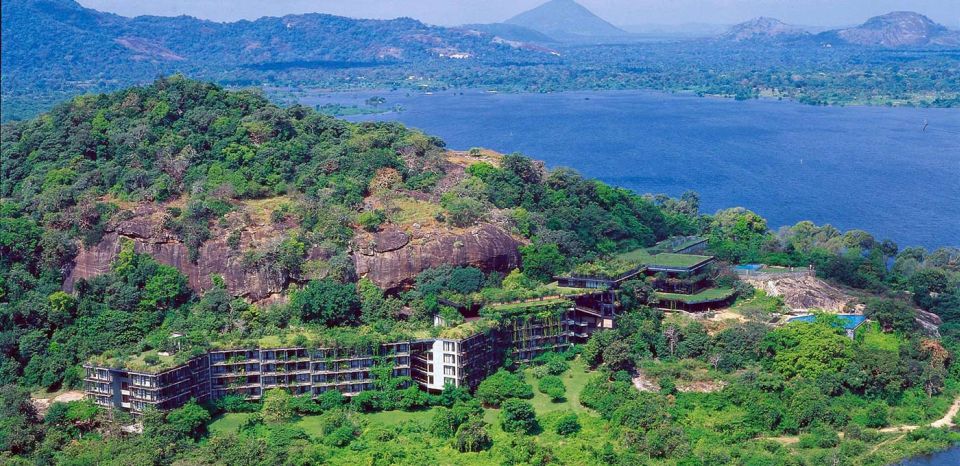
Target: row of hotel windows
317, 366
300, 353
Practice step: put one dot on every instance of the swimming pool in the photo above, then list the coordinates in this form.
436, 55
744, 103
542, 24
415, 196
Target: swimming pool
850, 321
748, 267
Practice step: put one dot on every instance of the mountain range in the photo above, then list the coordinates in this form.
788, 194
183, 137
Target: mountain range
892, 30
62, 40
566, 19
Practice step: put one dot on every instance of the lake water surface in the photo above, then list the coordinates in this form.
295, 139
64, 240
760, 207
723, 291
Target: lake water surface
871, 168
944, 458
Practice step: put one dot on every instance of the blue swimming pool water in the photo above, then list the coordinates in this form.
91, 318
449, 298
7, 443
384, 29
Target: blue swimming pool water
850, 321
749, 267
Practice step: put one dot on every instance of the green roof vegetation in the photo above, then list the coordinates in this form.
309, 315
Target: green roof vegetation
539, 308
609, 269
677, 260
637, 256
147, 361
705, 296
321, 337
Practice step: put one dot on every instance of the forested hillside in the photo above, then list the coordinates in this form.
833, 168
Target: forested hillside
302, 199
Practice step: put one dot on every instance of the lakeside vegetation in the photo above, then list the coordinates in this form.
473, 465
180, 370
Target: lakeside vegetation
737, 393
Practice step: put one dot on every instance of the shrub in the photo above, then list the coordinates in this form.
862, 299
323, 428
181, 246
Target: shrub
518, 416
877, 415
236, 404
567, 424
277, 406
473, 436
151, 359
501, 386
305, 405
820, 436
372, 220
553, 387
330, 399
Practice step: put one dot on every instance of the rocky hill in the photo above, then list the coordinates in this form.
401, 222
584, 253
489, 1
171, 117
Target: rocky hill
226, 186
899, 29
763, 28
565, 20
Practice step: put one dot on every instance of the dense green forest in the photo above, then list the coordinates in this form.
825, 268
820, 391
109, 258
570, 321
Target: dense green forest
802, 393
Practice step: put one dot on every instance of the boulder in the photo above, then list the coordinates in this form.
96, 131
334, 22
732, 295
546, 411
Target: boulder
145, 229
392, 258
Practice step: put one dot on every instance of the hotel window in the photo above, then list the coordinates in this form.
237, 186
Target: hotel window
449, 370
449, 346
450, 381
450, 358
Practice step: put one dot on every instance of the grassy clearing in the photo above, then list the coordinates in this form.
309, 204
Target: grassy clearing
574, 379
872, 337
407, 211
228, 423
260, 209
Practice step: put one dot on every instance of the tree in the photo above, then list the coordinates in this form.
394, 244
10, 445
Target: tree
276, 406
501, 386
189, 420
892, 315
542, 261
327, 301
618, 356
165, 289
517, 416
472, 436
567, 424
19, 430
808, 349
553, 387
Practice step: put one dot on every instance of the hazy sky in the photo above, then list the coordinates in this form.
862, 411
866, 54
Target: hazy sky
620, 12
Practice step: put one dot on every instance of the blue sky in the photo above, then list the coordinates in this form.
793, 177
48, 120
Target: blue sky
620, 12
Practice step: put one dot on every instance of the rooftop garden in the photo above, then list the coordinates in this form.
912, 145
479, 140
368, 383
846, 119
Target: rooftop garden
705, 296
146, 361
609, 269
677, 260
529, 309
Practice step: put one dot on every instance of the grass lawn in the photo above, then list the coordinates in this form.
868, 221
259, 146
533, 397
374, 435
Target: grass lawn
392, 418
874, 338
574, 379
228, 423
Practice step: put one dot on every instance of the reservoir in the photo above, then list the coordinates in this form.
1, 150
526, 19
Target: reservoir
894, 172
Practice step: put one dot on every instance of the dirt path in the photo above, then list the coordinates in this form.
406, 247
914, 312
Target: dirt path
945, 421
43, 404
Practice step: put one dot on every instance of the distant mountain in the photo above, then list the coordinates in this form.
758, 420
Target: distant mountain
898, 29
763, 28
566, 20
59, 42
512, 32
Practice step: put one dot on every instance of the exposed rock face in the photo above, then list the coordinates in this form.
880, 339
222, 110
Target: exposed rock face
900, 29
803, 293
393, 258
763, 28
216, 257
